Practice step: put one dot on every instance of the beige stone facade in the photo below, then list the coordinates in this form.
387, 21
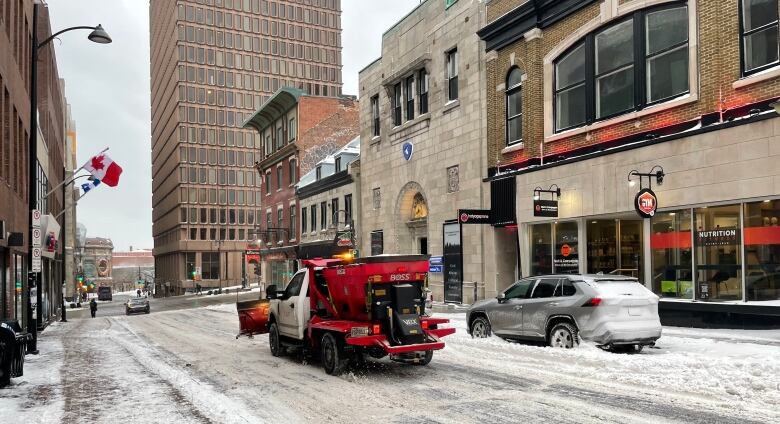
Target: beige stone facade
409, 201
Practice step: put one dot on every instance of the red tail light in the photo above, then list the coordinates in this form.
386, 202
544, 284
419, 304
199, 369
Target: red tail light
401, 269
376, 329
424, 325
595, 301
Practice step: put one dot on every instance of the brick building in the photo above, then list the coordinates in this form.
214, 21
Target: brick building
16, 29
583, 95
297, 131
422, 135
213, 64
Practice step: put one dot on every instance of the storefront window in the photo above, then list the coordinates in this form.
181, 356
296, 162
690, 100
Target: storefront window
541, 249
566, 252
602, 246
670, 244
762, 250
19, 286
718, 260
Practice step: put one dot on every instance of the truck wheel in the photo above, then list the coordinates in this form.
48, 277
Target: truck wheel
426, 359
273, 338
332, 357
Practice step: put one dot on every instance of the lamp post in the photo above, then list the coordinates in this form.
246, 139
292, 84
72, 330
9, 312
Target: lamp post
98, 35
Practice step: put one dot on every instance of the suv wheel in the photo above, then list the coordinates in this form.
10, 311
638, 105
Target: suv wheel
273, 338
563, 335
480, 328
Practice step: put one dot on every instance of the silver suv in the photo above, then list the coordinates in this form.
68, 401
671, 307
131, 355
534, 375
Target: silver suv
613, 311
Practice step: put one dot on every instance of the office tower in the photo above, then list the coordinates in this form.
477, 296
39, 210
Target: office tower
213, 64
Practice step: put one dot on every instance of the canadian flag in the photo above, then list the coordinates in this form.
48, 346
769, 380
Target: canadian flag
104, 169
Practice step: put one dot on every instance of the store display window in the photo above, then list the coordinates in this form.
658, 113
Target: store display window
672, 261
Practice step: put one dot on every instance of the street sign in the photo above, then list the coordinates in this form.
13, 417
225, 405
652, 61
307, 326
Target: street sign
36, 218
36, 259
36, 237
436, 260
436, 269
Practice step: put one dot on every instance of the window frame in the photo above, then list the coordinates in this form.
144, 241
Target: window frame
409, 96
510, 91
640, 72
397, 101
423, 86
452, 75
375, 115
744, 34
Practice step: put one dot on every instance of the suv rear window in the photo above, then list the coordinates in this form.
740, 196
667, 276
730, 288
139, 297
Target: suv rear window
566, 288
545, 288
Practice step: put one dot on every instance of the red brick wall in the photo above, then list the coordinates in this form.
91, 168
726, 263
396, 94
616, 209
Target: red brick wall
718, 60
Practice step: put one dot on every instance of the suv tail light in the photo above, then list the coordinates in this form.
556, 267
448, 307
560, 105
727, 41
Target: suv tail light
594, 301
424, 325
376, 329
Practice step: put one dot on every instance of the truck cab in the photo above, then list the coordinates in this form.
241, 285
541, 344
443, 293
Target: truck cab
289, 308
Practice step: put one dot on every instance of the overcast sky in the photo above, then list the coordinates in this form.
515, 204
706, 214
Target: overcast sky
107, 87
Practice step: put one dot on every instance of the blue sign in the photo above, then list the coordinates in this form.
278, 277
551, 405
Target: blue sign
408, 149
436, 260
436, 268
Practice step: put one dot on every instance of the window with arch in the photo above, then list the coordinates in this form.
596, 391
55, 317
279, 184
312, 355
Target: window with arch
514, 107
628, 65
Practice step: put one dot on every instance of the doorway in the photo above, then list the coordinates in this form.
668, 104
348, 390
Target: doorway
423, 245
615, 247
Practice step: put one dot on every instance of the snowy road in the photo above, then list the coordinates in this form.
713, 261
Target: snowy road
187, 366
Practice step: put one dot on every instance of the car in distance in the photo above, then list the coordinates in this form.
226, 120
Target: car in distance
613, 311
104, 293
137, 305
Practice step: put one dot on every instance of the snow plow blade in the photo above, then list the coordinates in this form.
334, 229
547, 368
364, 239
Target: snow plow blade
253, 317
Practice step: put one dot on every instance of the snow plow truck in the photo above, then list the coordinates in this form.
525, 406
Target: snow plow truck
343, 310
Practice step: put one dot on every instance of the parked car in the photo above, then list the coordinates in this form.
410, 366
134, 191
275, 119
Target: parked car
137, 304
613, 311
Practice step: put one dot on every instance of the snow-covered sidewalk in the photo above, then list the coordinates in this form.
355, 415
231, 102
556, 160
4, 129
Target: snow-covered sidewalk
186, 366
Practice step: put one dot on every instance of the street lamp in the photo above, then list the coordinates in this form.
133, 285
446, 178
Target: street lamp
100, 36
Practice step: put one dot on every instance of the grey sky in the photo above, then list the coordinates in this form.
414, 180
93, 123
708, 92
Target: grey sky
108, 89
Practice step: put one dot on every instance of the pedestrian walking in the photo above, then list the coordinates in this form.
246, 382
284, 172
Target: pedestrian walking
93, 307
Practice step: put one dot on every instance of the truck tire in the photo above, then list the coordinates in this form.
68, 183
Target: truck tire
273, 338
426, 359
332, 357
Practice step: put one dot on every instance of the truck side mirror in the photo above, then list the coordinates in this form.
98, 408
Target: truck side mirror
270, 292
501, 297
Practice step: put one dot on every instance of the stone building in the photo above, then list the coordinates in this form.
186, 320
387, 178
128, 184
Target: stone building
587, 95
422, 135
213, 64
297, 131
329, 213
97, 262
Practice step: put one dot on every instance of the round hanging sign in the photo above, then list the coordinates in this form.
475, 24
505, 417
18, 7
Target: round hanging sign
646, 203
